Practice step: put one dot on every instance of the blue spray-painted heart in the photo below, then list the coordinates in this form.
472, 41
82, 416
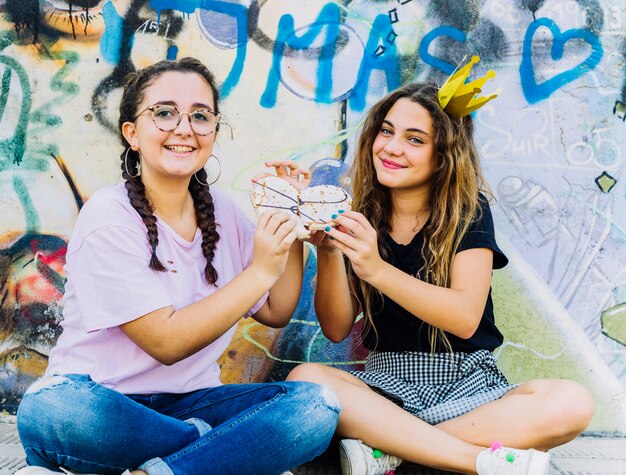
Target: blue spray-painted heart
535, 92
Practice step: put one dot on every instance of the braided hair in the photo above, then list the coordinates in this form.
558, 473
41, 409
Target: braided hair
134, 89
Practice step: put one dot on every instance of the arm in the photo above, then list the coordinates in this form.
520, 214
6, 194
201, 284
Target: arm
285, 293
335, 307
457, 309
170, 335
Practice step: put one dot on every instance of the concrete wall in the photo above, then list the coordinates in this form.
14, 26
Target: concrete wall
296, 78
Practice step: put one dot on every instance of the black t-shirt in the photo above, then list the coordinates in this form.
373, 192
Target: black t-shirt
399, 330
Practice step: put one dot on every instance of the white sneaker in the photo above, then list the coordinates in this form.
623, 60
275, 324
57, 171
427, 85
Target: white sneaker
505, 461
360, 459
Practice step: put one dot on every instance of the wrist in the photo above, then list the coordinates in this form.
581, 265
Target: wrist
376, 277
328, 252
261, 276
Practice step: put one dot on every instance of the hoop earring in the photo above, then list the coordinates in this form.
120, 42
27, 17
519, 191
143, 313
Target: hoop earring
126, 165
218, 175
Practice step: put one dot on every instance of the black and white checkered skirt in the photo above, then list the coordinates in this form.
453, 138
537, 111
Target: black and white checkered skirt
435, 387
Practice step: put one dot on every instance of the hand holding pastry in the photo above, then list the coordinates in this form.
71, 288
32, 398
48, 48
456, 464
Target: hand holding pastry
289, 192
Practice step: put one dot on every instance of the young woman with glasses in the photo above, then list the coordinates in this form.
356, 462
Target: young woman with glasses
159, 270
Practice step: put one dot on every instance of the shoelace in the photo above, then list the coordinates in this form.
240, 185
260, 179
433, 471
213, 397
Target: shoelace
382, 461
503, 460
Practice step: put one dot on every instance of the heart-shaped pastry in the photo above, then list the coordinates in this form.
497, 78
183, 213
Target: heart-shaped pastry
312, 207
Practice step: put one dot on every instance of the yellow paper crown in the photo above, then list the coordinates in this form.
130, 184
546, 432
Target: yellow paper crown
458, 98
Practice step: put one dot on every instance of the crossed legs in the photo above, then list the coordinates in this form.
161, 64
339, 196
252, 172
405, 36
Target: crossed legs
539, 414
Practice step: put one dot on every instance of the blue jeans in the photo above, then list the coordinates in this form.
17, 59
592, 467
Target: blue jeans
240, 429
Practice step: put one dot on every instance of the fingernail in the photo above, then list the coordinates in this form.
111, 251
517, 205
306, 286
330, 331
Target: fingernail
341, 211
333, 216
331, 238
327, 228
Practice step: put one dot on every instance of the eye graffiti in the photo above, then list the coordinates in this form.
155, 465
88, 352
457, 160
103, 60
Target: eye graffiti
79, 18
313, 207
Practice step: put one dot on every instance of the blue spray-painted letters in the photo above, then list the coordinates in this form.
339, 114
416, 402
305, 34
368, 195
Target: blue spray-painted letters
433, 61
387, 62
329, 20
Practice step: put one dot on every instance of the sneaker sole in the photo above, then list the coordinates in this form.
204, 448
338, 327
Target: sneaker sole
539, 463
346, 446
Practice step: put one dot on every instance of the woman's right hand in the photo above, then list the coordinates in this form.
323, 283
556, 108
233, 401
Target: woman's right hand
357, 239
274, 235
321, 240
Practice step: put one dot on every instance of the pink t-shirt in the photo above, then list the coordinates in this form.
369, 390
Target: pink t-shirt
109, 283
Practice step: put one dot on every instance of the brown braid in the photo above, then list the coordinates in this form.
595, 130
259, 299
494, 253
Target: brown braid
134, 89
137, 196
205, 215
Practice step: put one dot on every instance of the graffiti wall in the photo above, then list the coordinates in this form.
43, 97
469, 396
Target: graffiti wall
296, 79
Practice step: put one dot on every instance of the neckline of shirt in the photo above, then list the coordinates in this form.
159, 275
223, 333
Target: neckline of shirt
177, 237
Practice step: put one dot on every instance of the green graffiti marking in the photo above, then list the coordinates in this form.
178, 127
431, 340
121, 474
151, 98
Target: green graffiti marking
15, 151
32, 218
43, 119
4, 90
13, 148
614, 323
268, 353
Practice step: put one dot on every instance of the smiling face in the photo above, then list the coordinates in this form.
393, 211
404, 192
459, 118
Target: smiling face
178, 153
403, 150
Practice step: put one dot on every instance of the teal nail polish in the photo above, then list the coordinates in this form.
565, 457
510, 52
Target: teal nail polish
327, 228
341, 211
331, 238
333, 216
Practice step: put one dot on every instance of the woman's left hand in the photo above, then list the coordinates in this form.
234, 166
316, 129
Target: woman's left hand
358, 240
297, 177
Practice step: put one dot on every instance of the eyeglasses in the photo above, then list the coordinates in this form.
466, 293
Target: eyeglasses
167, 118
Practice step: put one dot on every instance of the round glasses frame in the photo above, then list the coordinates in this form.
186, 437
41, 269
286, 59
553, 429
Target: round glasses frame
156, 107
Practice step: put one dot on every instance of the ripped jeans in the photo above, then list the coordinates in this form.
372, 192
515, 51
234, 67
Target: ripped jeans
241, 429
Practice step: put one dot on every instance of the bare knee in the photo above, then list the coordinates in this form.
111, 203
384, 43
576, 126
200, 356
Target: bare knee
567, 404
580, 405
311, 372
